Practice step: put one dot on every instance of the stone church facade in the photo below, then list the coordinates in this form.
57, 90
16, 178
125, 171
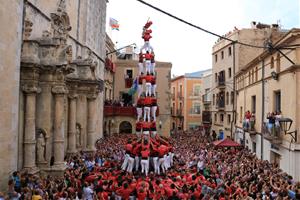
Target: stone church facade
52, 68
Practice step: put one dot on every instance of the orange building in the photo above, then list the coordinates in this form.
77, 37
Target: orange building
186, 101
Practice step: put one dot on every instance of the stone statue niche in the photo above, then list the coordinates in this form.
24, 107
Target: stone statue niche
78, 135
40, 146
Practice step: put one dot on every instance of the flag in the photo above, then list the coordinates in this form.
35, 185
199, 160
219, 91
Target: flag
114, 24
133, 88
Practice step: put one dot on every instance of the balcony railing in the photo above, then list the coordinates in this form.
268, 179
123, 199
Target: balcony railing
206, 99
206, 117
272, 133
249, 126
109, 65
180, 96
128, 82
221, 80
119, 111
195, 111
173, 96
220, 104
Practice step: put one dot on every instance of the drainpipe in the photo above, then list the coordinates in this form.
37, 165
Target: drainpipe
233, 121
262, 109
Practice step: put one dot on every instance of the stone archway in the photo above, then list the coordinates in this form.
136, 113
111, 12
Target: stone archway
125, 127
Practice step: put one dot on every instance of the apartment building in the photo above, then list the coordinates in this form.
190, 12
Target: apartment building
227, 59
271, 83
186, 100
206, 91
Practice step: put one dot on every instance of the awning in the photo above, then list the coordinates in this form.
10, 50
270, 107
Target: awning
226, 143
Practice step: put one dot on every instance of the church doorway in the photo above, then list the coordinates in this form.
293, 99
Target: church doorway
125, 127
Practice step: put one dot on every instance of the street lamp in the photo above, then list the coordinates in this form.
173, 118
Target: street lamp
285, 125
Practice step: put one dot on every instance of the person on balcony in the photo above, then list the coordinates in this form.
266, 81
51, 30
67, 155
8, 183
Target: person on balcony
153, 85
147, 108
278, 116
247, 120
148, 79
148, 57
139, 108
141, 63
140, 85
271, 123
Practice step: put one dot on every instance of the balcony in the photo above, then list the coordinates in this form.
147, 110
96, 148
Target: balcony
249, 127
129, 111
221, 81
180, 96
206, 117
195, 111
206, 100
272, 134
179, 113
109, 65
220, 104
128, 82
173, 96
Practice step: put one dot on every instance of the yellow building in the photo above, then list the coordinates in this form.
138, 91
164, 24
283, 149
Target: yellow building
227, 59
123, 119
271, 83
186, 100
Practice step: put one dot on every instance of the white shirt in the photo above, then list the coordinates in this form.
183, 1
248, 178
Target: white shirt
88, 193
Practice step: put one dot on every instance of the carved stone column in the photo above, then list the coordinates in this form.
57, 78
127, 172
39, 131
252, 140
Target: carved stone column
30, 133
72, 124
59, 131
91, 122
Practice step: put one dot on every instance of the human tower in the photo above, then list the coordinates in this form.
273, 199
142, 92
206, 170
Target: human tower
148, 151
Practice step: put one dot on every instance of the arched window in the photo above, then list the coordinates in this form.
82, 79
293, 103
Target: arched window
227, 98
231, 97
278, 63
213, 99
256, 74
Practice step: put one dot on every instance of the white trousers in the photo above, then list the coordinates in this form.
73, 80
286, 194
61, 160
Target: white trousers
153, 89
152, 68
161, 165
167, 161
153, 133
141, 68
145, 166
147, 114
171, 158
147, 46
125, 162
140, 90
148, 66
153, 112
130, 164
156, 166
137, 163
139, 112
148, 89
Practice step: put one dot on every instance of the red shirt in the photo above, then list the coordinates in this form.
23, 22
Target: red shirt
139, 125
141, 57
140, 102
147, 37
148, 24
128, 147
153, 80
148, 78
145, 153
124, 193
148, 101
146, 125
141, 79
153, 124
154, 102
148, 56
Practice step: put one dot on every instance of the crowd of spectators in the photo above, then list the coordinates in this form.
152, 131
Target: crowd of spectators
200, 171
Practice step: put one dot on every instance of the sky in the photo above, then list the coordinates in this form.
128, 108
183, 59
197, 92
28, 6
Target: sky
187, 48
